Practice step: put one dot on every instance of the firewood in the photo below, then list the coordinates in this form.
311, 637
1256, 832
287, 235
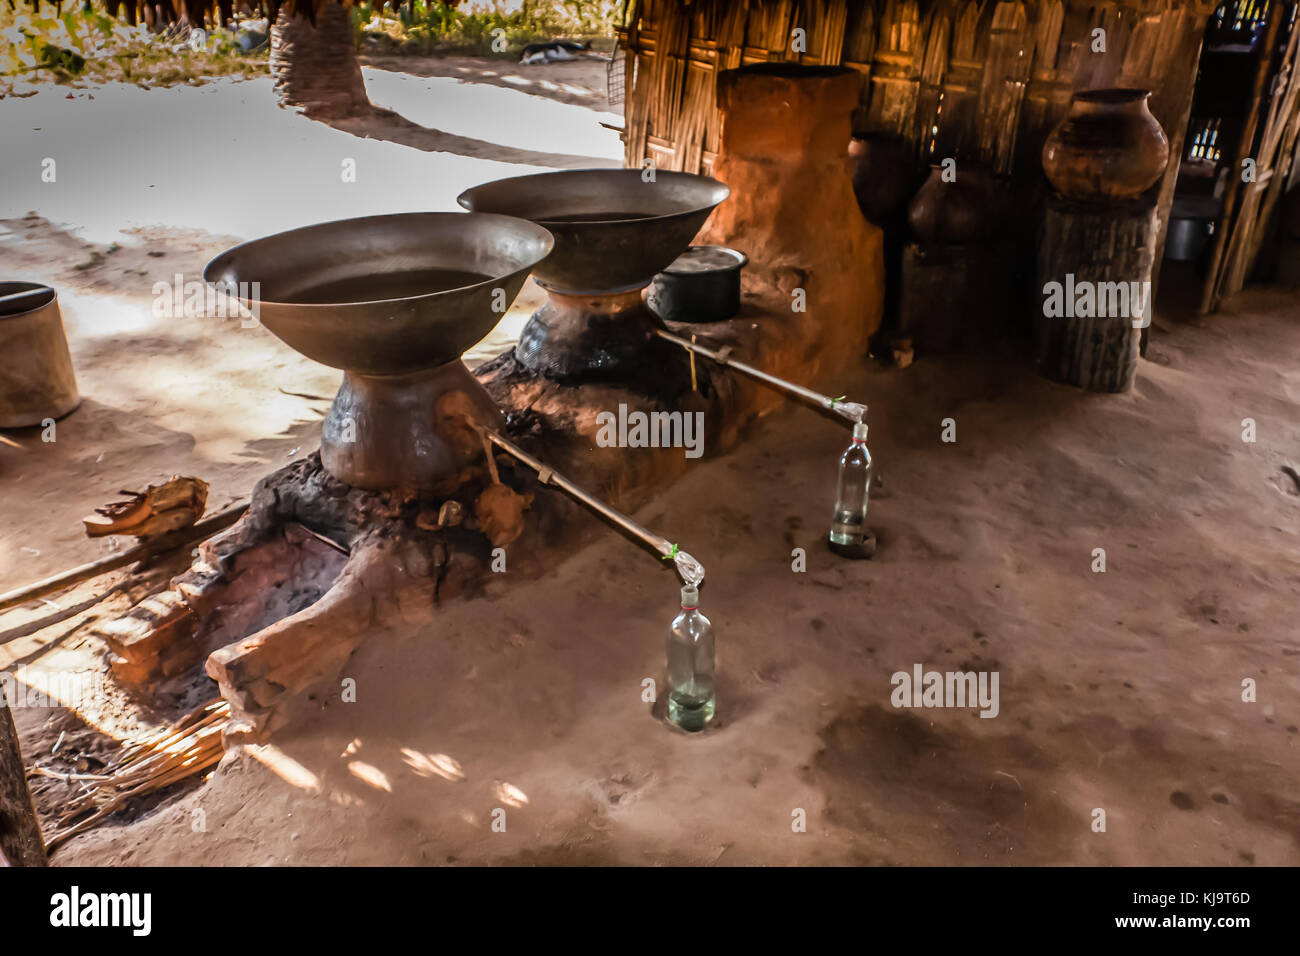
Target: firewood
176, 503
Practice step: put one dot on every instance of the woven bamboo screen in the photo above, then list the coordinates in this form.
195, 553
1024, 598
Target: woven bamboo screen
965, 78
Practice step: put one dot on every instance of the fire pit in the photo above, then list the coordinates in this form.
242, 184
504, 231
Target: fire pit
393, 301
613, 232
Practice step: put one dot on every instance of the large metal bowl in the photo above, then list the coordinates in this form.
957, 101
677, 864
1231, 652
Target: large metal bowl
393, 301
375, 331
613, 230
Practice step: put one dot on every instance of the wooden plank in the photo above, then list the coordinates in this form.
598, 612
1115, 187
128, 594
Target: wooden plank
1226, 224
1276, 145
140, 552
1006, 71
1174, 107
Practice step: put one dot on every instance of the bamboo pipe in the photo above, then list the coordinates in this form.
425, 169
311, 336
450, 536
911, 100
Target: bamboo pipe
691, 570
174, 539
853, 411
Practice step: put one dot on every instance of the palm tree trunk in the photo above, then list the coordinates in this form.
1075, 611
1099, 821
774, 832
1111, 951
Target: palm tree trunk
315, 67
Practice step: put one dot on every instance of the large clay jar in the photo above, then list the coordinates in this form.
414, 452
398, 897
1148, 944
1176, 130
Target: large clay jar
884, 175
957, 211
1109, 146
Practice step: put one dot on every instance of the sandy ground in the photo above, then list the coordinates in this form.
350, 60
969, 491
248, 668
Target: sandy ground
1119, 691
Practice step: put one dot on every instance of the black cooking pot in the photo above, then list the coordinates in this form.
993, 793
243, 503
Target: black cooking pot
702, 285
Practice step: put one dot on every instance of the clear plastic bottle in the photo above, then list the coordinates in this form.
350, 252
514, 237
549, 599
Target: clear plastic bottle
849, 523
690, 665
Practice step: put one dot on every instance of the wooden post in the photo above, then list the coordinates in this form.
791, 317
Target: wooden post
1179, 88
1210, 291
954, 297
1094, 258
20, 834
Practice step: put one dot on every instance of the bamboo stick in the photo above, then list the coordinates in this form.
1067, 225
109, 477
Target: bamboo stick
66, 579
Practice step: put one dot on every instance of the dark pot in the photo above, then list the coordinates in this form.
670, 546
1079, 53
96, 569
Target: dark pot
1191, 224
964, 210
1109, 146
702, 285
884, 174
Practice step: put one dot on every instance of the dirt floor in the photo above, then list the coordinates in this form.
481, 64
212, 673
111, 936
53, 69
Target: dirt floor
1119, 691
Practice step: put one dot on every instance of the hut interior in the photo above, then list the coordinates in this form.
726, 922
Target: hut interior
985, 82
954, 338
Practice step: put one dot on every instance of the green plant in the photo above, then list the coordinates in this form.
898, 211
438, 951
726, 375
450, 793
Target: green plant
84, 44
481, 28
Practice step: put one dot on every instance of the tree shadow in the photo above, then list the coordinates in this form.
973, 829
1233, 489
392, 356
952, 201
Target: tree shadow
569, 82
555, 108
392, 127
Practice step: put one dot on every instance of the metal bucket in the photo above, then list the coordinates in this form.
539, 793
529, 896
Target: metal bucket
702, 285
1187, 238
36, 377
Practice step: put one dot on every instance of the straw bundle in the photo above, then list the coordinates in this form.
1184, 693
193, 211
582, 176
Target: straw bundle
145, 766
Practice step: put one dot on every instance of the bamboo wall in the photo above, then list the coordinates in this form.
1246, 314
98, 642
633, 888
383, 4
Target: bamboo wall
964, 78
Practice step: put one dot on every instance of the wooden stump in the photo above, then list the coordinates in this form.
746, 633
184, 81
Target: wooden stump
1094, 273
954, 297
20, 834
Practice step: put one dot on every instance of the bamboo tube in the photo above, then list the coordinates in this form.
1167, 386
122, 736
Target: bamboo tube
853, 411
690, 569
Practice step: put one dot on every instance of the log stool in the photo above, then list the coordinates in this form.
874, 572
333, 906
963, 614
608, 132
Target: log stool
1094, 274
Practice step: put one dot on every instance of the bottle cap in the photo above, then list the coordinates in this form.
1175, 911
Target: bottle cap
690, 596
860, 431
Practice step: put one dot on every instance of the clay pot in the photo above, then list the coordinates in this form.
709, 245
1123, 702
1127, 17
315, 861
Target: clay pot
884, 175
1109, 146
964, 210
